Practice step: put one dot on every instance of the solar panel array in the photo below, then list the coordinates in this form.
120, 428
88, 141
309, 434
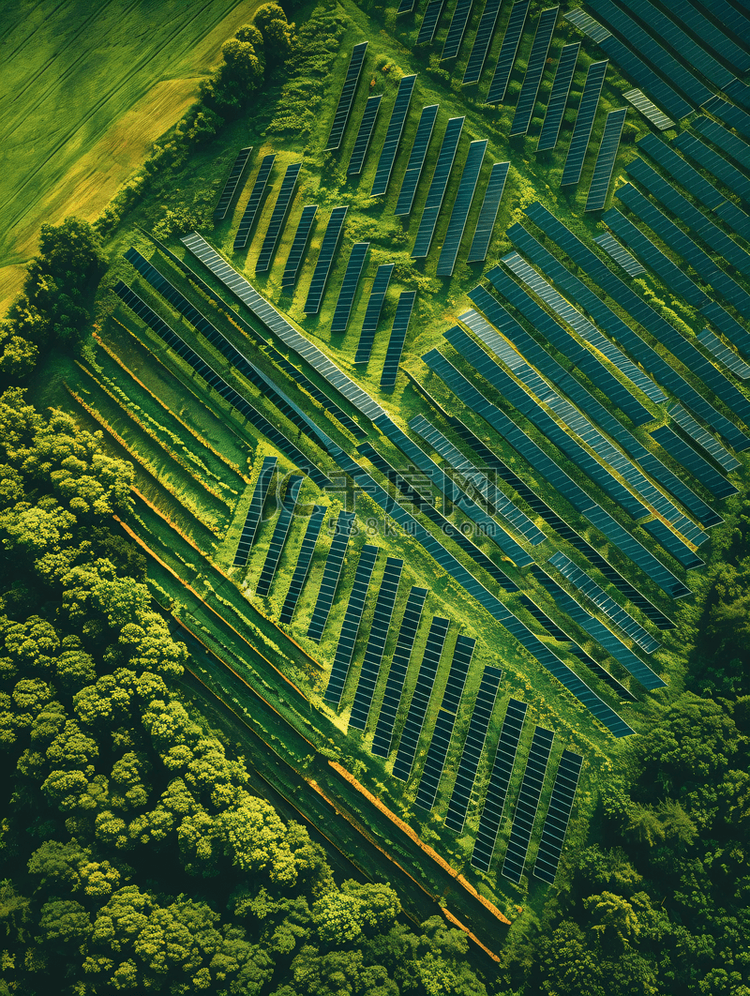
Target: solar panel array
724, 354
420, 699
619, 254
457, 29
729, 113
508, 51
349, 286
254, 512
558, 97
716, 483
301, 238
372, 313
673, 544
703, 438
393, 136
582, 129
331, 575
278, 217
379, 629
558, 816
527, 804
497, 789
534, 71
480, 244
232, 186
430, 20
394, 686
730, 176
648, 109
280, 533
398, 337
461, 206
325, 260
344, 106
440, 741
731, 144
438, 186
482, 42
304, 561
710, 34
253, 205
605, 160
350, 626
416, 161
472, 749
364, 134
692, 52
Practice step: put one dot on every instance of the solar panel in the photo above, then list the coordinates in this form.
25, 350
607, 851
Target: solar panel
724, 354
703, 438
301, 238
349, 286
304, 560
488, 213
558, 816
508, 51
728, 326
558, 97
280, 211
232, 186
616, 251
731, 115
362, 141
497, 789
393, 136
255, 510
583, 127
588, 25
325, 260
457, 29
605, 160
397, 339
472, 749
406, 6
381, 744
534, 71
731, 144
350, 626
692, 461
461, 206
372, 314
253, 205
438, 186
738, 21
280, 533
376, 641
648, 109
409, 741
430, 22
346, 99
710, 34
416, 160
446, 720
482, 42
673, 545
331, 575
710, 160
528, 802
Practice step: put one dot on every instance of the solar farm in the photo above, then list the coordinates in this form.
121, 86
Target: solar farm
433, 412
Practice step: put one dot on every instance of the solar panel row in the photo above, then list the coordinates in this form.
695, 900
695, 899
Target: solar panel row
301, 238
672, 544
253, 205
362, 141
711, 479
730, 144
488, 213
457, 28
398, 337
429, 23
703, 438
406, 6
731, 115
416, 161
616, 251
724, 354
304, 560
280, 533
558, 816
438, 186
482, 42
586, 23
527, 804
699, 152
508, 51
346, 99
460, 212
605, 160
648, 109
349, 286
583, 127
558, 97
534, 71
325, 260
331, 575
728, 326
372, 313
350, 626
710, 34
254, 512
278, 217
232, 186
393, 136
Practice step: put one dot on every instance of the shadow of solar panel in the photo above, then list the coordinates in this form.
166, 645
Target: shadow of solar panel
457, 29
730, 114
393, 136
582, 129
299, 245
278, 217
420, 699
381, 744
280, 533
724, 354
438, 186
373, 657
254, 512
674, 545
497, 789
703, 438
429, 23
472, 749
461, 207
253, 205
616, 251
218, 384
331, 575
398, 337
648, 109
605, 160
488, 213
508, 52
482, 42
558, 97
304, 560
372, 313
349, 286
681, 451
232, 186
346, 99
325, 260
527, 805
710, 34
556, 821
534, 70
350, 627
710, 160
416, 160
731, 145
362, 141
